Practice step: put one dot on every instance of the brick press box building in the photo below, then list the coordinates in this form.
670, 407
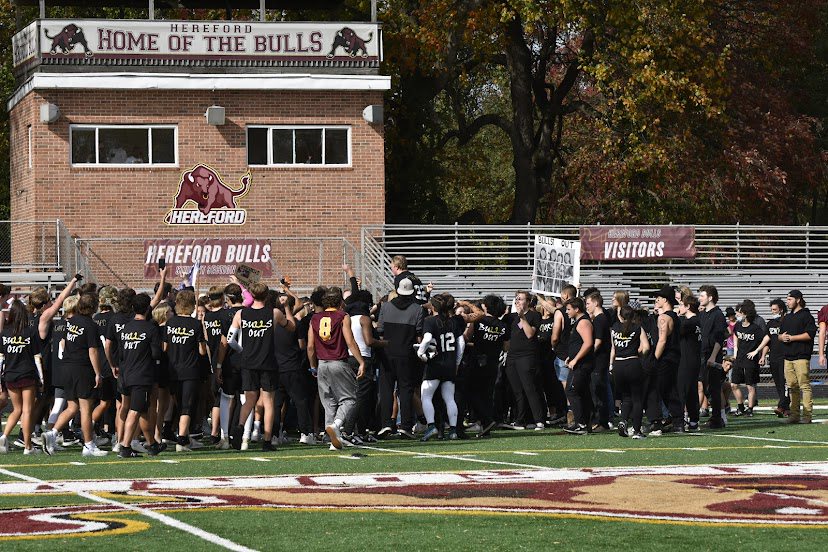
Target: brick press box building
222, 141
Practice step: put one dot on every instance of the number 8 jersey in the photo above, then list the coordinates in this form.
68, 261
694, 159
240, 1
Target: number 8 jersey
443, 366
328, 338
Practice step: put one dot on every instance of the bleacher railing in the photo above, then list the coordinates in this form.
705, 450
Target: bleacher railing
757, 262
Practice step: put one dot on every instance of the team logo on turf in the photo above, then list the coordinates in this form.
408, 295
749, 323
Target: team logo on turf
204, 199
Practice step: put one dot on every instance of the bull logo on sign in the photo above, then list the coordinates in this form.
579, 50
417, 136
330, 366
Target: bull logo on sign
66, 40
350, 42
215, 202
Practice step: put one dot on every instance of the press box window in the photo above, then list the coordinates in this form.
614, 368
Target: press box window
289, 146
124, 145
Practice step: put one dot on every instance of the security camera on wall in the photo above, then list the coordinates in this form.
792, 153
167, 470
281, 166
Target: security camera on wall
373, 114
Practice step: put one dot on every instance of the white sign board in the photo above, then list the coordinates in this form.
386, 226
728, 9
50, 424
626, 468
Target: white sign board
557, 263
97, 40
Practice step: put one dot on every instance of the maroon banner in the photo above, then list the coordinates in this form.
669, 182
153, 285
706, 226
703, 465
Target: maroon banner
630, 243
218, 257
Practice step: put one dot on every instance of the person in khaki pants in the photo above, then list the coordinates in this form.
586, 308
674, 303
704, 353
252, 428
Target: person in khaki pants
796, 333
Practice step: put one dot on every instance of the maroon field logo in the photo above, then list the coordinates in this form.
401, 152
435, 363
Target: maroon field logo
204, 198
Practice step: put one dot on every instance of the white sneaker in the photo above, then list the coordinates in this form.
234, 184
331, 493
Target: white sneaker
137, 446
307, 439
331, 447
182, 448
283, 438
32, 450
4, 444
335, 435
245, 444
256, 436
116, 448
93, 450
37, 441
419, 428
49, 442
194, 445
222, 444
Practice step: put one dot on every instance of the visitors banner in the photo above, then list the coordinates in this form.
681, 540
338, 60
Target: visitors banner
630, 243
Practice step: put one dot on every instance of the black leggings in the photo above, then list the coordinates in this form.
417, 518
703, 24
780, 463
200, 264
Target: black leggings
777, 368
481, 386
687, 385
404, 372
189, 392
629, 386
552, 387
523, 377
292, 384
580, 395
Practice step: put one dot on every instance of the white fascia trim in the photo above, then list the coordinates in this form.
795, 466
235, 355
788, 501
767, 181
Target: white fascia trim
176, 81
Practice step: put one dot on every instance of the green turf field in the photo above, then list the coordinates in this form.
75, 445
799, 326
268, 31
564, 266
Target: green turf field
501, 515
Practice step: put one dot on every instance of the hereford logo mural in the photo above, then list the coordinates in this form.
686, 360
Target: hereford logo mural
204, 198
65, 41
350, 42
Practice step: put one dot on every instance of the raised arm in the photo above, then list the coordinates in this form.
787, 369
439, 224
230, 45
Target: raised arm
47, 315
162, 281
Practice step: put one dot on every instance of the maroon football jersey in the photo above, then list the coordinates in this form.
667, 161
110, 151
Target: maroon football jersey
327, 335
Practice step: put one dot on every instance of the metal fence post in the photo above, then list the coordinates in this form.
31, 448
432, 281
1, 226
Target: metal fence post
456, 248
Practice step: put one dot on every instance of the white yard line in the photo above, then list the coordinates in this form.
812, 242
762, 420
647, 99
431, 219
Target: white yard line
166, 520
775, 440
454, 457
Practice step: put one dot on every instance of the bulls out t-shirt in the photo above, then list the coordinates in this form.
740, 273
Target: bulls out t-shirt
183, 336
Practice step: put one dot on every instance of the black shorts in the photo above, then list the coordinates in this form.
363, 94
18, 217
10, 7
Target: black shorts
188, 393
139, 396
162, 375
254, 380
80, 384
744, 373
438, 372
231, 381
106, 391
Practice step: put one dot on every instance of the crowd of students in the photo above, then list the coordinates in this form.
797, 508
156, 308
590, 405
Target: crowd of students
101, 367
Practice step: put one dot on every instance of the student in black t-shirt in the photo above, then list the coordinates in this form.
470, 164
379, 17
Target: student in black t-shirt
552, 388
105, 393
629, 343
490, 335
82, 366
252, 334
22, 373
561, 329
522, 362
599, 383
748, 344
797, 333
139, 343
580, 360
688, 373
184, 343
776, 357
445, 331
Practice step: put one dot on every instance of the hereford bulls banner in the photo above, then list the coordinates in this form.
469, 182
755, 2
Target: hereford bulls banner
630, 243
218, 257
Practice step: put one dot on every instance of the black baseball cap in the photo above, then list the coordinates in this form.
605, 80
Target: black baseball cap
795, 293
669, 293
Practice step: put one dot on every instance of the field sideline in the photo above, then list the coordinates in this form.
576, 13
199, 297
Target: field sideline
758, 484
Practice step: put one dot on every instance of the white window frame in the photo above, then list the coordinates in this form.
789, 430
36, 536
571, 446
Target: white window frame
148, 128
294, 128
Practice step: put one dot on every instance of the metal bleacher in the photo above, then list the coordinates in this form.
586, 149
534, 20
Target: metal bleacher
743, 262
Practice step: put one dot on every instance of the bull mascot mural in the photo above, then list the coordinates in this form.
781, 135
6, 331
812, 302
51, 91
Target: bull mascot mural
203, 186
351, 42
67, 39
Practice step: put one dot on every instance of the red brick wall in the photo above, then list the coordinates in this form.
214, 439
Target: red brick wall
132, 202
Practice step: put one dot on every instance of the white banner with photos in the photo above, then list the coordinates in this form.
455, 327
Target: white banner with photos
557, 263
